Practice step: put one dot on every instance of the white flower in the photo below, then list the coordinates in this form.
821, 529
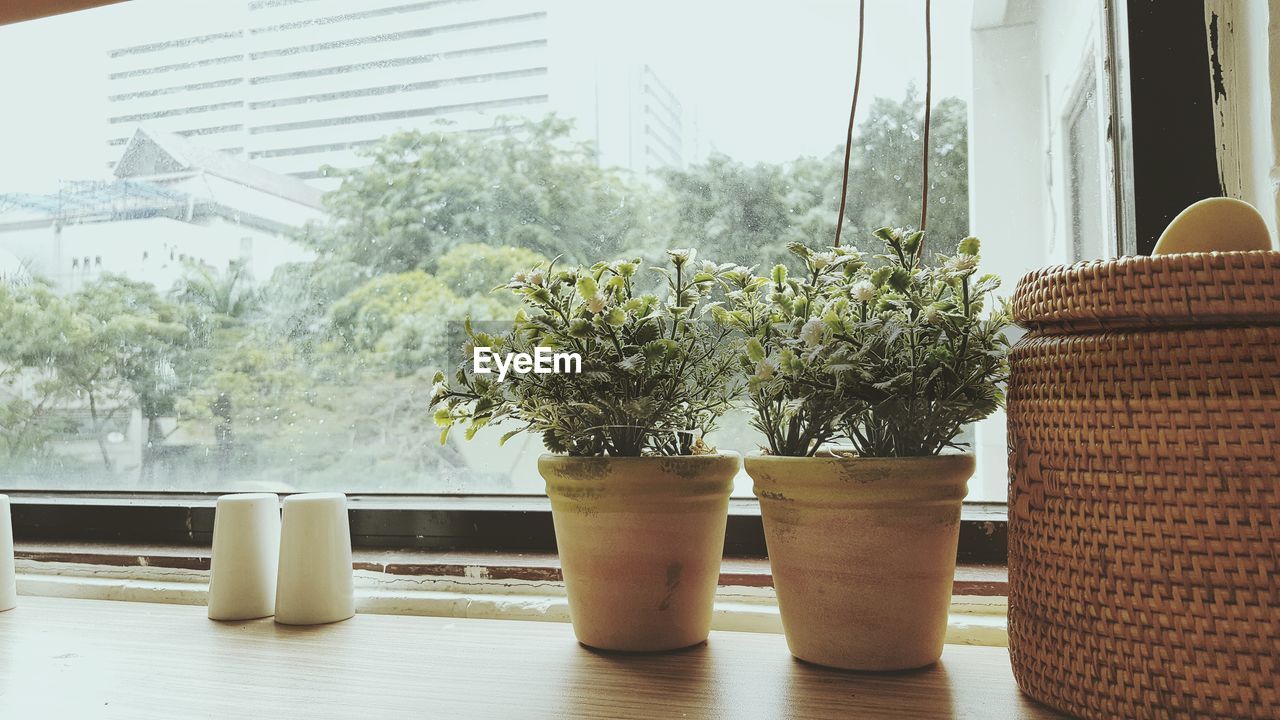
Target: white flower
931, 314
535, 277
765, 370
708, 267
520, 278
812, 331
596, 304
821, 260
680, 256
960, 264
863, 291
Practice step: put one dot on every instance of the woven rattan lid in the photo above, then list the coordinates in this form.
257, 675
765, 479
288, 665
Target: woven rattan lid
1183, 290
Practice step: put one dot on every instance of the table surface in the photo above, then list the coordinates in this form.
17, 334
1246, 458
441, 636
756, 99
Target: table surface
93, 658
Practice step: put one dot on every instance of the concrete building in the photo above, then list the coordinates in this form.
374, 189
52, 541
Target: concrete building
170, 203
295, 85
634, 119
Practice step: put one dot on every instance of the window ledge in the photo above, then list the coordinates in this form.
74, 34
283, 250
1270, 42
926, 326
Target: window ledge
972, 579
513, 586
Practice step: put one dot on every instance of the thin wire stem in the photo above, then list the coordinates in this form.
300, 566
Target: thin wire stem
853, 109
928, 106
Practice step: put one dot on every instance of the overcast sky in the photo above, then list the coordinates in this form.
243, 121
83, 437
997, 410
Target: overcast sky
767, 79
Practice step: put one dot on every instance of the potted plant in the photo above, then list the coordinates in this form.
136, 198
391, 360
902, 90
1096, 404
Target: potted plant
639, 501
892, 357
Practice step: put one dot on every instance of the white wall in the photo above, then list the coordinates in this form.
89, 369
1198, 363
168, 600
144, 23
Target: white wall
1258, 31
152, 249
1028, 58
1007, 173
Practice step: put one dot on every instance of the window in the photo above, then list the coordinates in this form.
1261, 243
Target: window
1085, 172
355, 176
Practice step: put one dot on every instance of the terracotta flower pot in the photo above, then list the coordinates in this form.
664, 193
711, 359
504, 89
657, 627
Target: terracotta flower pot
863, 552
640, 541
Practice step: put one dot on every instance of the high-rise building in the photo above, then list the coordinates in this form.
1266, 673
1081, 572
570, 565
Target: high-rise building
294, 85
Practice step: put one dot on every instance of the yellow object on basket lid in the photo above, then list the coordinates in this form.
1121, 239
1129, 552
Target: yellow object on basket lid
1217, 224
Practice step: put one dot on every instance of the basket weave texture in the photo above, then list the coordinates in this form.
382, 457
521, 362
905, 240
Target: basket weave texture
1144, 497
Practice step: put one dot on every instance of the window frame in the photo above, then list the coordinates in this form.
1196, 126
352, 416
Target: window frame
1166, 118
507, 523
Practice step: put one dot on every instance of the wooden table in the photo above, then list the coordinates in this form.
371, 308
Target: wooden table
64, 658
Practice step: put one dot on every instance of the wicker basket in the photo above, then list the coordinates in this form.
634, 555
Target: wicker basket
1144, 497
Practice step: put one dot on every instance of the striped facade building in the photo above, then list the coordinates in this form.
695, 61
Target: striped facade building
295, 85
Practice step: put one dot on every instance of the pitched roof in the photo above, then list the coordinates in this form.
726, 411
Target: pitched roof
152, 152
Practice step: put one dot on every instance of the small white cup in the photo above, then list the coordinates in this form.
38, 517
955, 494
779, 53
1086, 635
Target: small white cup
246, 553
315, 581
8, 578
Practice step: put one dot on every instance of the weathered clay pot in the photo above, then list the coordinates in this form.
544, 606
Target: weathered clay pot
640, 541
863, 552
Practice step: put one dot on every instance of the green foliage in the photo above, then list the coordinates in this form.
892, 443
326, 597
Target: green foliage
134, 342
894, 356
654, 376
229, 295
399, 321
790, 384
477, 270
36, 325
295, 303
740, 213
750, 214
525, 184
885, 181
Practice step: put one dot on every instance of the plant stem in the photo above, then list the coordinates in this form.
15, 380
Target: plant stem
928, 101
853, 109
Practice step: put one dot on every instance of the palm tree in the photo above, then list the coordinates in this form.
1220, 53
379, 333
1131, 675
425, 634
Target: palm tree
230, 295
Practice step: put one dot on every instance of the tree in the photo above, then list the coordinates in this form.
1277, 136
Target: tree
523, 185
749, 213
36, 325
129, 354
397, 320
230, 294
295, 303
475, 270
250, 383
885, 175
734, 212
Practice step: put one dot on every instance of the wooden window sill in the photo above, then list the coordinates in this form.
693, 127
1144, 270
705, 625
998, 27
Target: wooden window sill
95, 658
981, 580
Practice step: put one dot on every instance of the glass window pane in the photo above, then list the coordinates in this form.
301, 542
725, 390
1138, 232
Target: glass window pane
234, 234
